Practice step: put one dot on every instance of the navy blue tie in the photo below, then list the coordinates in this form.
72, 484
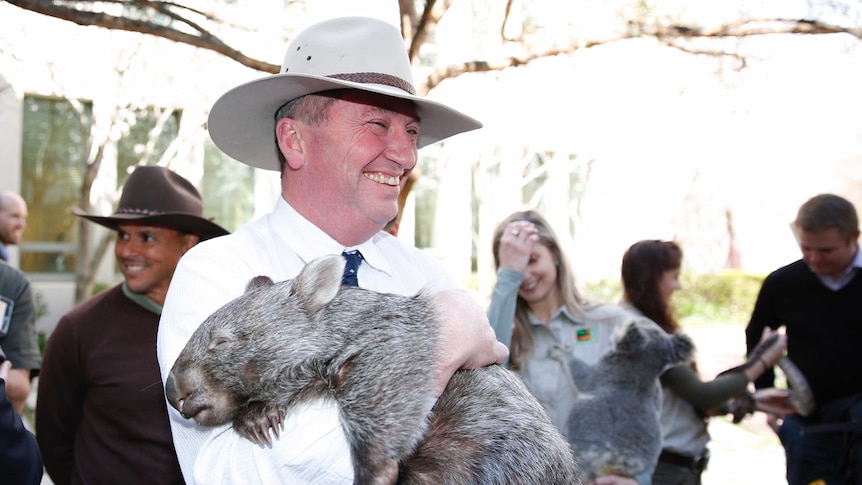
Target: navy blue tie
353, 258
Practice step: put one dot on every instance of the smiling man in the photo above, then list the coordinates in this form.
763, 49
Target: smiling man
818, 299
13, 221
342, 123
100, 408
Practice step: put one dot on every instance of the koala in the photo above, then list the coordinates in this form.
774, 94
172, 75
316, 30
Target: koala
614, 426
280, 344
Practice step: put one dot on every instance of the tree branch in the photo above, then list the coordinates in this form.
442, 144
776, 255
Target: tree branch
204, 40
671, 35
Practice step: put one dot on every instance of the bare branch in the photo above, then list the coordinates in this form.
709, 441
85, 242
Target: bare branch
205, 40
745, 28
671, 35
407, 12
418, 29
505, 19
446, 72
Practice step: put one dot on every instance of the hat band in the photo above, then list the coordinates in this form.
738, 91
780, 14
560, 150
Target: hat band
376, 78
144, 212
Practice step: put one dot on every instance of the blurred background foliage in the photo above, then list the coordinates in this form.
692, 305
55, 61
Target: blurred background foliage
723, 297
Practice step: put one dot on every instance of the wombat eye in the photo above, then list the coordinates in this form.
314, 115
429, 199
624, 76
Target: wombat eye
218, 342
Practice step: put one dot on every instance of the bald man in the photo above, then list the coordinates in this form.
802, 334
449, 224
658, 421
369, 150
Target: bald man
13, 220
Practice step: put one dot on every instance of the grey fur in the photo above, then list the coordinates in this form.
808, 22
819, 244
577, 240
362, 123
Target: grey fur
280, 344
614, 426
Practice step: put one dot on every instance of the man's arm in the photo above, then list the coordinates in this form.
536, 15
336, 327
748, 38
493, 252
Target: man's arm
21, 345
467, 339
19, 455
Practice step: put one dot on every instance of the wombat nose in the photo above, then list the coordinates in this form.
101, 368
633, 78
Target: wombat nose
171, 391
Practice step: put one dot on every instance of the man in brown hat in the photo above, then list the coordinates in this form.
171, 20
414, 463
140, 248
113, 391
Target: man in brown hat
101, 407
347, 125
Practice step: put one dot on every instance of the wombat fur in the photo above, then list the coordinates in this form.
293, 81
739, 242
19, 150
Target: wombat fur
614, 426
280, 344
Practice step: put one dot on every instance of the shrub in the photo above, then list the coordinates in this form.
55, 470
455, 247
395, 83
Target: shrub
725, 297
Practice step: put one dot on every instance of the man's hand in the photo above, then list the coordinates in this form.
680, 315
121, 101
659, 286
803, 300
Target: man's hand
17, 386
467, 340
774, 401
774, 421
773, 353
4, 369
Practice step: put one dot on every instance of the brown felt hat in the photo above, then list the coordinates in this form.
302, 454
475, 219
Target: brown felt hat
160, 197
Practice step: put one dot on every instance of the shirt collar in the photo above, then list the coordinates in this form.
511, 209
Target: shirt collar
142, 300
836, 284
310, 242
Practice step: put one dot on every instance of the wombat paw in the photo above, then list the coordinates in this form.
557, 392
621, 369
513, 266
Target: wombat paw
254, 424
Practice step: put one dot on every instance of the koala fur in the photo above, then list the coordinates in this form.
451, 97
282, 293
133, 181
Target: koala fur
614, 426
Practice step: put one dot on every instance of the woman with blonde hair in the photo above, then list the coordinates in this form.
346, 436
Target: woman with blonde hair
537, 312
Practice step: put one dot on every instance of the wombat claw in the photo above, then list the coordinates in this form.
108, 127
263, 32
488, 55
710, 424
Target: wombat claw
259, 419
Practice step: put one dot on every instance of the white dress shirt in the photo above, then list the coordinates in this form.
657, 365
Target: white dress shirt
312, 448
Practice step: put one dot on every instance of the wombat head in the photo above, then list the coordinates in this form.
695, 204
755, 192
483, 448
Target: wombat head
652, 347
244, 349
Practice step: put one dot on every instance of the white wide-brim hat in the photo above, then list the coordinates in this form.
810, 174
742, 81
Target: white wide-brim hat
349, 52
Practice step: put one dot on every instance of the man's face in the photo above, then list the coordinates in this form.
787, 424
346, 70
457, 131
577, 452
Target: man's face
358, 159
827, 252
13, 220
148, 255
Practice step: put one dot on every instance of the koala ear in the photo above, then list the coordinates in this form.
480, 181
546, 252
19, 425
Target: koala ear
318, 282
683, 347
257, 282
630, 338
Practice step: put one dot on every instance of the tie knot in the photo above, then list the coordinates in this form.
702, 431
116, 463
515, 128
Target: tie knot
353, 259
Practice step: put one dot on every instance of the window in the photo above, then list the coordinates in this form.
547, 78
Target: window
56, 142
227, 189
146, 137
54, 152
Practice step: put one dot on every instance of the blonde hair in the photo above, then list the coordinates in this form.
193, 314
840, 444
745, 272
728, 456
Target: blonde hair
522, 336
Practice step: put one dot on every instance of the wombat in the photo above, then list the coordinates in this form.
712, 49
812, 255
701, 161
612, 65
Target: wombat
614, 426
282, 343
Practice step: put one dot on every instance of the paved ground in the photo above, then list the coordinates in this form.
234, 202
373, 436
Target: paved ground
744, 453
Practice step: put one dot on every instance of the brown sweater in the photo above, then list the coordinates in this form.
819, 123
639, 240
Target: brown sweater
101, 415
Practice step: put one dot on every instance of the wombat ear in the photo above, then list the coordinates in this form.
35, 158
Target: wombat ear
257, 282
318, 282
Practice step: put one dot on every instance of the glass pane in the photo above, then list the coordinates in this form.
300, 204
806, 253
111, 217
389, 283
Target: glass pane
147, 135
54, 151
227, 189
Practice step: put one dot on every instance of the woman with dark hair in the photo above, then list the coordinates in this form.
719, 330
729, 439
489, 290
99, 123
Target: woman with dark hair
536, 311
650, 275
